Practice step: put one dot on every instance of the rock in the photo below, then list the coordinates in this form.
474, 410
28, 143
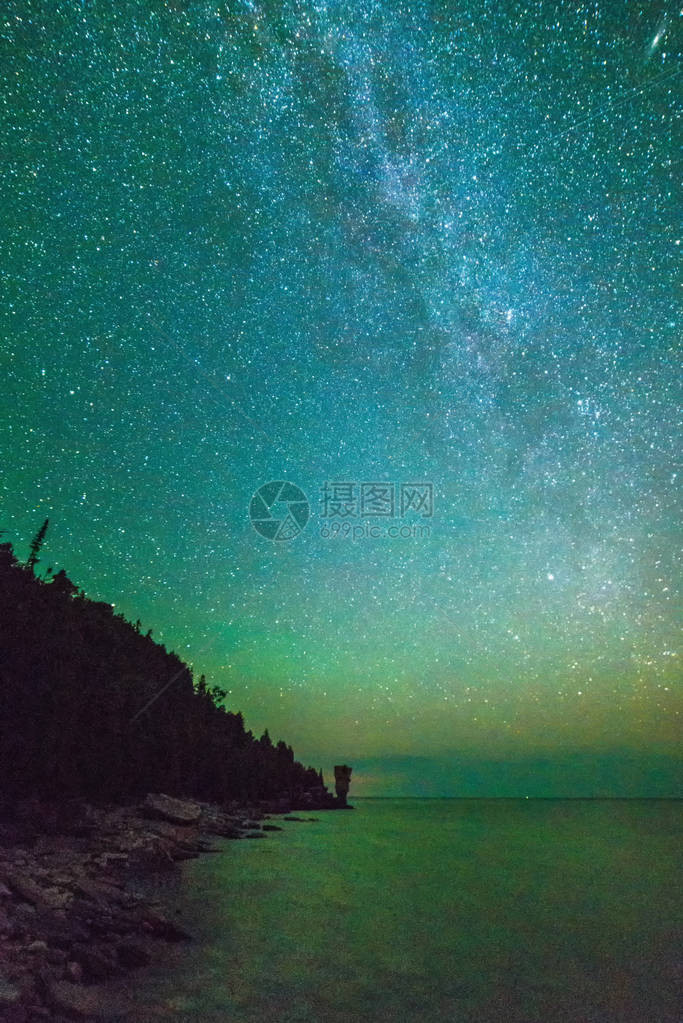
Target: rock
280, 805
342, 780
98, 963
225, 831
111, 859
80, 1002
182, 843
167, 808
174, 832
124, 922
204, 846
99, 891
25, 912
55, 898
74, 972
13, 1007
10, 994
131, 955
83, 911
37, 946
56, 956
71, 914
26, 888
180, 853
158, 925
150, 853
60, 929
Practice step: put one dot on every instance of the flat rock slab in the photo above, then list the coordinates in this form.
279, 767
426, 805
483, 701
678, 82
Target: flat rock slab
166, 808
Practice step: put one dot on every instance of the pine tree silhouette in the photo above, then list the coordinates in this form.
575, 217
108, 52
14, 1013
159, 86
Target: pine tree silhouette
36, 544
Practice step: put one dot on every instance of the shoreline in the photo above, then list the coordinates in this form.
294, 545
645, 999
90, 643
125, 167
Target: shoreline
70, 917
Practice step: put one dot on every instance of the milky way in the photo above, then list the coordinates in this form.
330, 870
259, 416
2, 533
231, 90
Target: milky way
361, 243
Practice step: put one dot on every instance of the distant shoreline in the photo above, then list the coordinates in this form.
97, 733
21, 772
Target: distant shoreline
530, 799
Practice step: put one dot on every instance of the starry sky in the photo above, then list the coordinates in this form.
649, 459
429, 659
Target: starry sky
370, 249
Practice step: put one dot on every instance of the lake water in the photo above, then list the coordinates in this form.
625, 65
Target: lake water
426, 910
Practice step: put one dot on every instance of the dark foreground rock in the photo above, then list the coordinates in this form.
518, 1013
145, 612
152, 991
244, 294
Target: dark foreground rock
177, 811
71, 916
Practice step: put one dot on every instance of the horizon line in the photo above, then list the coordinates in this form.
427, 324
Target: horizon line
674, 799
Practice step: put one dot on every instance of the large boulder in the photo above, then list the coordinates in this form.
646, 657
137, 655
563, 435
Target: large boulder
166, 808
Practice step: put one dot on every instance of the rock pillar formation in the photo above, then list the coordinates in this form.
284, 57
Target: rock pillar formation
342, 778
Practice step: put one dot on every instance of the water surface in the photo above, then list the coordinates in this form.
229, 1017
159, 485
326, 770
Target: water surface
426, 910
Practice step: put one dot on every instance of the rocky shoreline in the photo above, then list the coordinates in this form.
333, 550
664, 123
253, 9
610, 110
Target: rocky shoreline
70, 918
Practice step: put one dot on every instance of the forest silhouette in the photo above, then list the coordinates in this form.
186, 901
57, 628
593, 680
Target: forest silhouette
92, 708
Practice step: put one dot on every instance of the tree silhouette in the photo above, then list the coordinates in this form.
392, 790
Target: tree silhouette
36, 544
90, 707
62, 584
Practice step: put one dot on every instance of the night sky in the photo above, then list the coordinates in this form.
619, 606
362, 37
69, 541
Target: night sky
418, 260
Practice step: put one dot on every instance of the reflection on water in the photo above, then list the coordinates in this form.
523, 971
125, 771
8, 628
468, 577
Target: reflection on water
426, 910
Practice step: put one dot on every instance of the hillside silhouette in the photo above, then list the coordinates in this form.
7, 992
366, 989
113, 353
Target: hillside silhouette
92, 708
